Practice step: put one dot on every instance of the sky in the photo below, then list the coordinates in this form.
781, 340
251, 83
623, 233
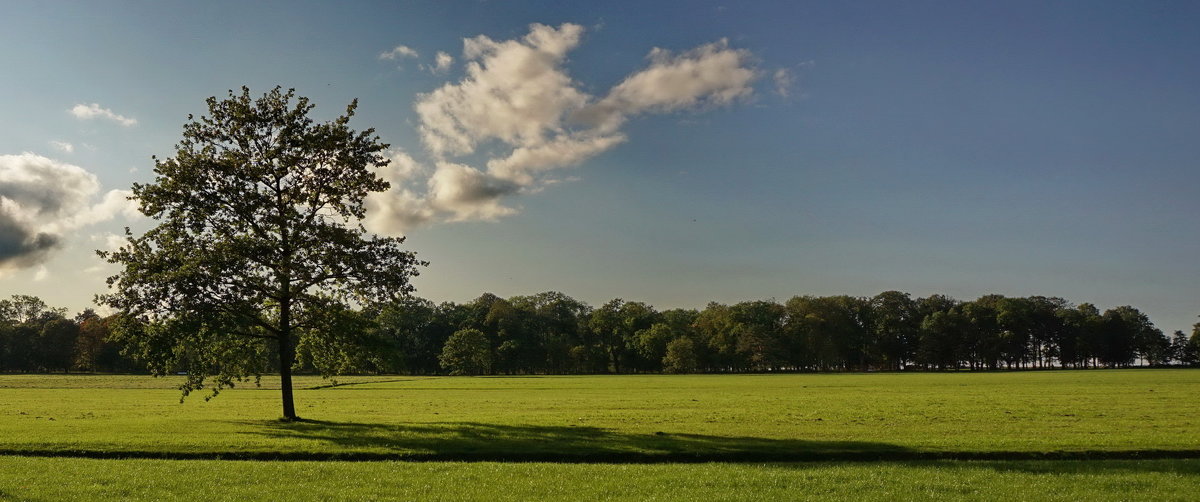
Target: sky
674, 153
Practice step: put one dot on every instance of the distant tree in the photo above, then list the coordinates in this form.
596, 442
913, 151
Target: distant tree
715, 327
55, 346
20, 347
810, 330
758, 327
680, 356
1047, 328
1156, 350
982, 341
557, 327
652, 342
941, 339
616, 325
26, 309
90, 344
1190, 353
258, 235
852, 330
414, 331
348, 342
1123, 334
1079, 342
467, 352
896, 324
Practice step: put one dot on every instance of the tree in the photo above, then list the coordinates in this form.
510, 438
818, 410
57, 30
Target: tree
680, 356
651, 343
467, 352
896, 325
55, 345
93, 334
941, 339
759, 331
1121, 330
259, 234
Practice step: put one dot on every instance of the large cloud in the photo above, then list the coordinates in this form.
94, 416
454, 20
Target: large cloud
41, 199
518, 109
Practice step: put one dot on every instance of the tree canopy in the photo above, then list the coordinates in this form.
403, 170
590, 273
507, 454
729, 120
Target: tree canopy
258, 243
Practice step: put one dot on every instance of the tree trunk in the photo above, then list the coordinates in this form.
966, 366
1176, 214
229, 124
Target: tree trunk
286, 356
285, 377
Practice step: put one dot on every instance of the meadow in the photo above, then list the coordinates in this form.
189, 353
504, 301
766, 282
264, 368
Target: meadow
1050, 434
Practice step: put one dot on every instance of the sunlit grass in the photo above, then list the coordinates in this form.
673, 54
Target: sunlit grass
85, 479
713, 417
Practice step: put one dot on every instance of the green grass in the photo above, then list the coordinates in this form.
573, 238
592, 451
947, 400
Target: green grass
610, 438
620, 418
86, 479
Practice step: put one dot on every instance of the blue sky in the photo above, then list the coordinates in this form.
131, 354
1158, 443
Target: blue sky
962, 148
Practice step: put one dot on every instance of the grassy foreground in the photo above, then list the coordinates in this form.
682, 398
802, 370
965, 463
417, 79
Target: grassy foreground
86, 479
1090, 414
611, 438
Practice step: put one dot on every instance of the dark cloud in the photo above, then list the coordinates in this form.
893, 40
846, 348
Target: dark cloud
21, 247
42, 199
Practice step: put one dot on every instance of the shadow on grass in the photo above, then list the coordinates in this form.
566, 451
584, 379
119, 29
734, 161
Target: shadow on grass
1184, 467
340, 385
473, 441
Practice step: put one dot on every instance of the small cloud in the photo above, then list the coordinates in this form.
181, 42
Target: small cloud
63, 146
399, 52
41, 274
709, 75
784, 81
94, 110
109, 241
442, 64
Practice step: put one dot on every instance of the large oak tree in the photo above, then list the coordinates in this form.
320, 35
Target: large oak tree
258, 246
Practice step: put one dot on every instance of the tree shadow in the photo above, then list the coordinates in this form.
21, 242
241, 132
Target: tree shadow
1178, 466
341, 385
474, 441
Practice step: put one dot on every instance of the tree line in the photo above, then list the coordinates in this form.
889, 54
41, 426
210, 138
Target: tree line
552, 333
35, 337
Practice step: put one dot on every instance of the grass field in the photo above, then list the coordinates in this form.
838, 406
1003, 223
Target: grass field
735, 436
1095, 480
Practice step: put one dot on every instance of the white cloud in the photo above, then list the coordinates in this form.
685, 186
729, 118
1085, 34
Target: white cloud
63, 146
41, 274
94, 110
442, 63
41, 200
518, 109
784, 80
400, 207
515, 91
525, 162
712, 74
468, 193
399, 52
109, 240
